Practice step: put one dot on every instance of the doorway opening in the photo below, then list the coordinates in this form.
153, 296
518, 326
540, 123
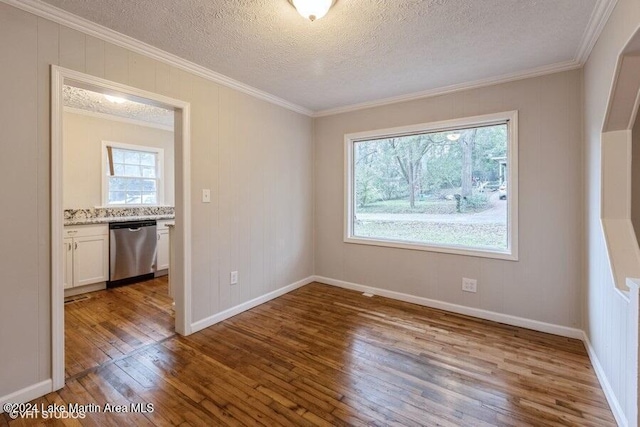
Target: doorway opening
117, 181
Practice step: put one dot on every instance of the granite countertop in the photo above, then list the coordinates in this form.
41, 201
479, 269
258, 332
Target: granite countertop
106, 220
106, 215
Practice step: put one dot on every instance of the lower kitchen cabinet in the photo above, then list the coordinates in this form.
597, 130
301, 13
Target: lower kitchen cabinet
67, 254
162, 254
86, 255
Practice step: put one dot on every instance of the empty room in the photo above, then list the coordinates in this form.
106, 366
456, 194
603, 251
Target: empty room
320, 212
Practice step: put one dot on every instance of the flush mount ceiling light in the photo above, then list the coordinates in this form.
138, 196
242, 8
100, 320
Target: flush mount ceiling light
312, 9
115, 99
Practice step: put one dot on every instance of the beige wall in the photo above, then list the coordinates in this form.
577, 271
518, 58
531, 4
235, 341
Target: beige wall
82, 156
606, 310
545, 284
257, 158
635, 178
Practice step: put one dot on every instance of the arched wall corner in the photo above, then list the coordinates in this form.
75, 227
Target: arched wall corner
616, 173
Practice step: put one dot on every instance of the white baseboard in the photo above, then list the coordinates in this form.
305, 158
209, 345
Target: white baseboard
71, 292
216, 318
614, 404
161, 273
459, 309
26, 394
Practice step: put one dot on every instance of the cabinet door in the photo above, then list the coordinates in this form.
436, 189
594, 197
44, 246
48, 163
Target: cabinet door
90, 260
67, 263
162, 260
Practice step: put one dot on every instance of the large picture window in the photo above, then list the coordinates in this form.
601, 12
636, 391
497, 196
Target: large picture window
446, 187
133, 175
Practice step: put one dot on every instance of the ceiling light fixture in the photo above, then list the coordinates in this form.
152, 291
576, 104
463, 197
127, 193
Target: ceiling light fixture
115, 99
312, 9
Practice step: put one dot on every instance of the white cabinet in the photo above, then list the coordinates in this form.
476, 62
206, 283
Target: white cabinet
162, 252
67, 267
162, 261
172, 261
86, 255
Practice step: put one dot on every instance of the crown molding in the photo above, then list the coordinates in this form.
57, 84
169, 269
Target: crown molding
113, 118
597, 21
599, 17
47, 11
491, 81
601, 13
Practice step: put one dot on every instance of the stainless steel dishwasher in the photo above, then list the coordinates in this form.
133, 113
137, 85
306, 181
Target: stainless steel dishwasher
132, 252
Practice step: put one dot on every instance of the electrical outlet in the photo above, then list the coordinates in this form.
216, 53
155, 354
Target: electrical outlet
469, 285
234, 277
206, 196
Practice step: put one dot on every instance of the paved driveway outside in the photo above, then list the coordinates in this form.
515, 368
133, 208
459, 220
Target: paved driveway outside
496, 215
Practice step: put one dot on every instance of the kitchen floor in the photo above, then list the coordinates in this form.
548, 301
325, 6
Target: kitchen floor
108, 325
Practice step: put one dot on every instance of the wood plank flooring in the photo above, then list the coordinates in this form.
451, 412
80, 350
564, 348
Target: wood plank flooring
106, 325
323, 356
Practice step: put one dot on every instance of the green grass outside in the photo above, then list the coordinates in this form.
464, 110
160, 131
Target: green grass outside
402, 206
430, 207
492, 236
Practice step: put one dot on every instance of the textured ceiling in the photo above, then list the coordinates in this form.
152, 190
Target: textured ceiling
94, 102
363, 50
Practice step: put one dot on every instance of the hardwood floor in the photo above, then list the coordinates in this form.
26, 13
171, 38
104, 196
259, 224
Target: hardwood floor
107, 325
327, 356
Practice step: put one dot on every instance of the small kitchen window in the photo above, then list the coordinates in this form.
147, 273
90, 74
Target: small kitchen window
132, 175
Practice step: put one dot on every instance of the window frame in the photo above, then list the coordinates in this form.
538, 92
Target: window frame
508, 117
132, 147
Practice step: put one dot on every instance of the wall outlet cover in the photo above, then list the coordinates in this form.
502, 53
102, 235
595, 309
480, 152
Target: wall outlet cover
234, 277
469, 285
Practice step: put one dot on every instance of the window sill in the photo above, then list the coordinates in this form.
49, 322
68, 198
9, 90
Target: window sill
508, 255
